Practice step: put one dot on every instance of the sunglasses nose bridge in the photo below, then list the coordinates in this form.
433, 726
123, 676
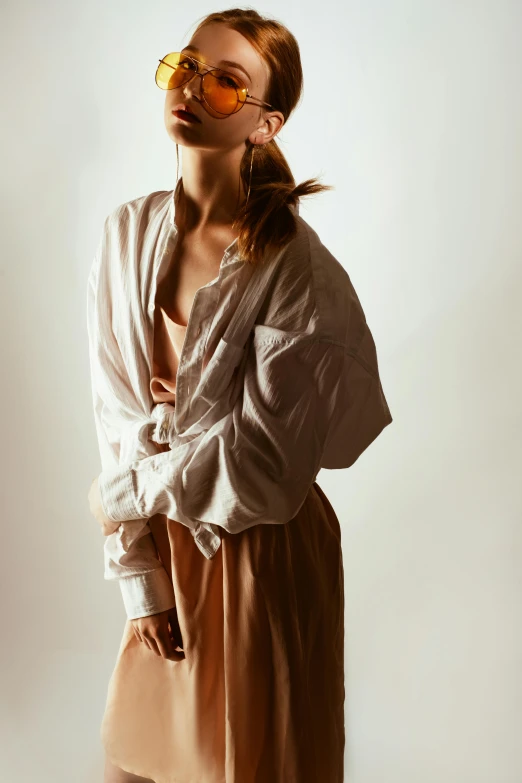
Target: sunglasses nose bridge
191, 78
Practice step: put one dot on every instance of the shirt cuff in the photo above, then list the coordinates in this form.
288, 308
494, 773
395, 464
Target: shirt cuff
146, 594
117, 494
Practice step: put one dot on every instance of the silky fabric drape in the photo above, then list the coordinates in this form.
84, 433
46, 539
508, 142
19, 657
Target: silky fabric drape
259, 697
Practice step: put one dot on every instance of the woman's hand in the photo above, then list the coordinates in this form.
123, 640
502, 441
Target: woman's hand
107, 525
161, 634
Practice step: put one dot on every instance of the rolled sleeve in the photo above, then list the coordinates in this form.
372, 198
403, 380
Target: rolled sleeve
130, 553
147, 594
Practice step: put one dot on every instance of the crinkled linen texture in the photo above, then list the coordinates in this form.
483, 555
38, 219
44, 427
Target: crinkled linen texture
259, 410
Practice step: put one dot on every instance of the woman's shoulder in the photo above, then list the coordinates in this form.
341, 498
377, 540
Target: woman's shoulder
309, 257
130, 237
314, 291
140, 211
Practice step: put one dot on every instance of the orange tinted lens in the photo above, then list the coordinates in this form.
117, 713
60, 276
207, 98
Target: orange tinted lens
174, 71
223, 92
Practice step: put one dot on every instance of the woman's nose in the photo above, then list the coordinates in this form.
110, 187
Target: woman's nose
193, 86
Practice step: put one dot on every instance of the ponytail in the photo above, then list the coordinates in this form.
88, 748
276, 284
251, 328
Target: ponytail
268, 219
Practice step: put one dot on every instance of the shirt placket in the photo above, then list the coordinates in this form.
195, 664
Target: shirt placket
190, 361
203, 308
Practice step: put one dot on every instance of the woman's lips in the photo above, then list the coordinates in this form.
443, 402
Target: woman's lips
186, 116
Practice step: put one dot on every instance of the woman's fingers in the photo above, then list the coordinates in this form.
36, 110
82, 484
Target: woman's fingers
154, 632
174, 628
163, 645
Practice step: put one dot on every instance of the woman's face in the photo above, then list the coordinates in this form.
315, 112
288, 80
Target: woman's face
210, 45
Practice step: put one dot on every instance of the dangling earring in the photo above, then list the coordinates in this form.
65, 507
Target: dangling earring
177, 164
250, 178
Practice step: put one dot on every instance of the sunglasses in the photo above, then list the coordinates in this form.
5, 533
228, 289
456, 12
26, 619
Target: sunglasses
224, 92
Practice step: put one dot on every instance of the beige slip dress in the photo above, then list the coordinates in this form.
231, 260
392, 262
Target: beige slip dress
259, 697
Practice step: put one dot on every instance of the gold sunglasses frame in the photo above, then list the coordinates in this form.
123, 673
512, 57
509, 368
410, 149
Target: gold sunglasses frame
201, 74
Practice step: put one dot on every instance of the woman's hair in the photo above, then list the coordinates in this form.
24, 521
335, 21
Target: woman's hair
268, 220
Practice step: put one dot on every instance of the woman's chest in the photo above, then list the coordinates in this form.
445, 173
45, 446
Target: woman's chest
195, 262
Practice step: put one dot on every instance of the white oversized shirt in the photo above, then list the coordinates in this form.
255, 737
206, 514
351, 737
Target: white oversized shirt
278, 378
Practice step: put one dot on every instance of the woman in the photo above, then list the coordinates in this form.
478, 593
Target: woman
227, 552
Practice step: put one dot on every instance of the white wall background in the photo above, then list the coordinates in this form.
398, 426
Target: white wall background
413, 111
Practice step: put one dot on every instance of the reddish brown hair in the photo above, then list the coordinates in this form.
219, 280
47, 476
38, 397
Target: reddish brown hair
268, 220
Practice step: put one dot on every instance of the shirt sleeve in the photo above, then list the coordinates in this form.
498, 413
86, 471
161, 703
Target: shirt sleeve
257, 463
130, 554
